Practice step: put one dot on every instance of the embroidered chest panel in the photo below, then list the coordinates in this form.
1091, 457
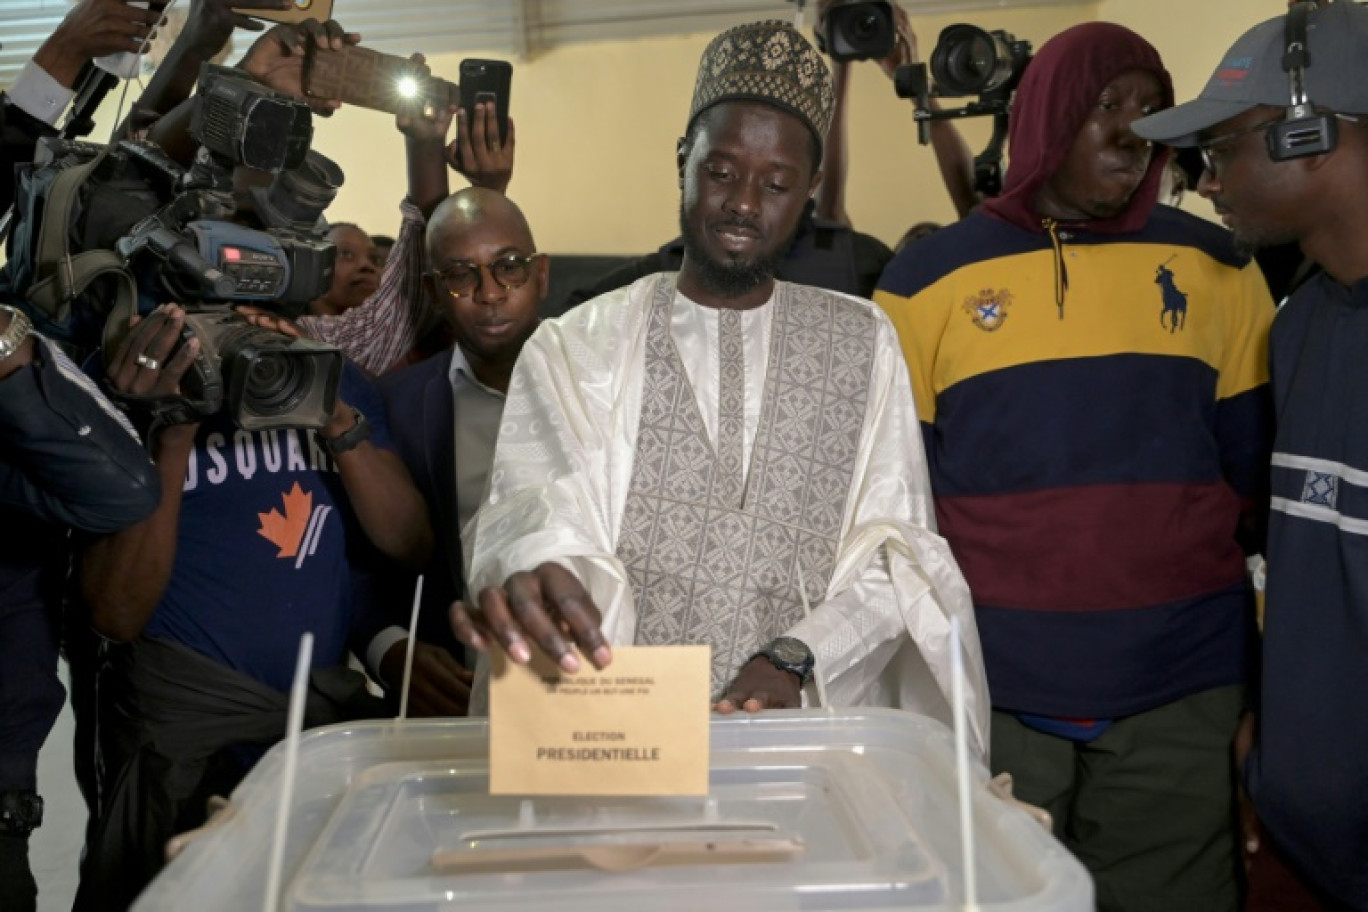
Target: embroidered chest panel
710, 559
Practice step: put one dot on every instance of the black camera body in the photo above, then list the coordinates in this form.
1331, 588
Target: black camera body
263, 379
194, 248
858, 30
969, 61
209, 261
240, 121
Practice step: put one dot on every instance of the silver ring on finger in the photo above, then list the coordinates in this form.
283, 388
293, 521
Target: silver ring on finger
149, 363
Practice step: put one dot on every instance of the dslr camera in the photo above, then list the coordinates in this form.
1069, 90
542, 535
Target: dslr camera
106, 232
969, 61
858, 30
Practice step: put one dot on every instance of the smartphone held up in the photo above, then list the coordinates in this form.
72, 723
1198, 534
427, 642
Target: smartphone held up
487, 81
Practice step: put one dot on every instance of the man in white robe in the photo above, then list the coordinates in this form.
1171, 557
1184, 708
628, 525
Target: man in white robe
679, 457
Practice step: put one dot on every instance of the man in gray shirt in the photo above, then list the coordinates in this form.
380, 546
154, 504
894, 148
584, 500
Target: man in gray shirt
446, 411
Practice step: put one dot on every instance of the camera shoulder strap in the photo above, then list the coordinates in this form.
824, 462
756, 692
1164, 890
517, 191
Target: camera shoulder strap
60, 276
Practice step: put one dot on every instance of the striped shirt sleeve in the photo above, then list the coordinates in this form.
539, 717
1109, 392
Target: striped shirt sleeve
381, 331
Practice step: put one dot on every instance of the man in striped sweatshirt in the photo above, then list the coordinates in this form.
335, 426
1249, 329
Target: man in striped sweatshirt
1090, 374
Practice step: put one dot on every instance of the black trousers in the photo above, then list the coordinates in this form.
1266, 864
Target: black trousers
174, 729
30, 699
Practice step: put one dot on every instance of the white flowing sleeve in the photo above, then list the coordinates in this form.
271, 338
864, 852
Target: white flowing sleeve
562, 467
881, 635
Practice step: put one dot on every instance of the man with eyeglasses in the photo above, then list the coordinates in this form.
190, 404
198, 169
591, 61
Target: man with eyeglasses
1090, 373
375, 310
1306, 771
695, 458
446, 411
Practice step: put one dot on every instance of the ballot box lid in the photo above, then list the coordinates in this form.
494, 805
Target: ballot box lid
807, 810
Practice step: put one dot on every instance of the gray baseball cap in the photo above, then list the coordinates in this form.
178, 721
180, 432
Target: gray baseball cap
1251, 74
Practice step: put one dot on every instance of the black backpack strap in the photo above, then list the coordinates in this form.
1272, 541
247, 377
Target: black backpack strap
60, 277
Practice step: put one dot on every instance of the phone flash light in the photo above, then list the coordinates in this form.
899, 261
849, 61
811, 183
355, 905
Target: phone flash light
408, 87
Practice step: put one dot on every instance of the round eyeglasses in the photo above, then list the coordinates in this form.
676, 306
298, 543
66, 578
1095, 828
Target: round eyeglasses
1212, 162
462, 277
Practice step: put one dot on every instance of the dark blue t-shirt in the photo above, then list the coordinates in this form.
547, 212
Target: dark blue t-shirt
1308, 775
261, 553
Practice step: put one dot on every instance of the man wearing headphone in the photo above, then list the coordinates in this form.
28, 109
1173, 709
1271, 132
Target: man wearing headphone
1283, 130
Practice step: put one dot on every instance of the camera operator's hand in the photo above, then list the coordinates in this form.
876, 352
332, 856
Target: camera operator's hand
264, 319
477, 152
94, 28
148, 362
211, 22
904, 47
276, 59
123, 576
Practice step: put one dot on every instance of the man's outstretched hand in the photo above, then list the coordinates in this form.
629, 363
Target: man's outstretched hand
94, 28
478, 153
547, 608
276, 59
211, 22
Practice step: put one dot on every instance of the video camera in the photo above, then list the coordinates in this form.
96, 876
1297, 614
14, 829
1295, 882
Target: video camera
858, 30
106, 232
969, 61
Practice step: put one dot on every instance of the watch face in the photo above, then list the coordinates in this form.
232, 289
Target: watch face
790, 651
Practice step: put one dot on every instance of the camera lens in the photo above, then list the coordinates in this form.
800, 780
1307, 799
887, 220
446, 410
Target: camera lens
859, 31
296, 198
969, 61
277, 383
866, 27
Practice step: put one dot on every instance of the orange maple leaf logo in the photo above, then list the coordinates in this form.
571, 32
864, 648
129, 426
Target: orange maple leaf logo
287, 532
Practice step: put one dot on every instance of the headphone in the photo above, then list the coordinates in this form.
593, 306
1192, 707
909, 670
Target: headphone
1303, 132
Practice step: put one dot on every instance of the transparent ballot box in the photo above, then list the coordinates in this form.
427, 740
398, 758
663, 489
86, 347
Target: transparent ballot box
807, 810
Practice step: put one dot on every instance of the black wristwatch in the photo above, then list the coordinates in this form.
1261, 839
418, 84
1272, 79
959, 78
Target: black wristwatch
21, 812
791, 655
349, 439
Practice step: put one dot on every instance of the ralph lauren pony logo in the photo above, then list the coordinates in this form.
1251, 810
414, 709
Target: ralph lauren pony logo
988, 308
1174, 314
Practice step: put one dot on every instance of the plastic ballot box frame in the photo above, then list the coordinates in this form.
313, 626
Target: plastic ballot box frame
806, 810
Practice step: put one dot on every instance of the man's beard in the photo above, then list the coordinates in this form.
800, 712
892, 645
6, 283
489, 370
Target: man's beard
1249, 239
730, 279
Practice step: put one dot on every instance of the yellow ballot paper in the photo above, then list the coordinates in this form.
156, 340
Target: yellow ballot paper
639, 727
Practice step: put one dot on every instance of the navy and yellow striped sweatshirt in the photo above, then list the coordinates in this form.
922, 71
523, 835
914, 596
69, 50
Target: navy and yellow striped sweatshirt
1097, 425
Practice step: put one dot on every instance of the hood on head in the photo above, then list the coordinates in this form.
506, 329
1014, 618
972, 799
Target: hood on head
1056, 95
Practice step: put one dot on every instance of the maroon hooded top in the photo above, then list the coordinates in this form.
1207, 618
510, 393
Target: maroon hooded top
1058, 91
